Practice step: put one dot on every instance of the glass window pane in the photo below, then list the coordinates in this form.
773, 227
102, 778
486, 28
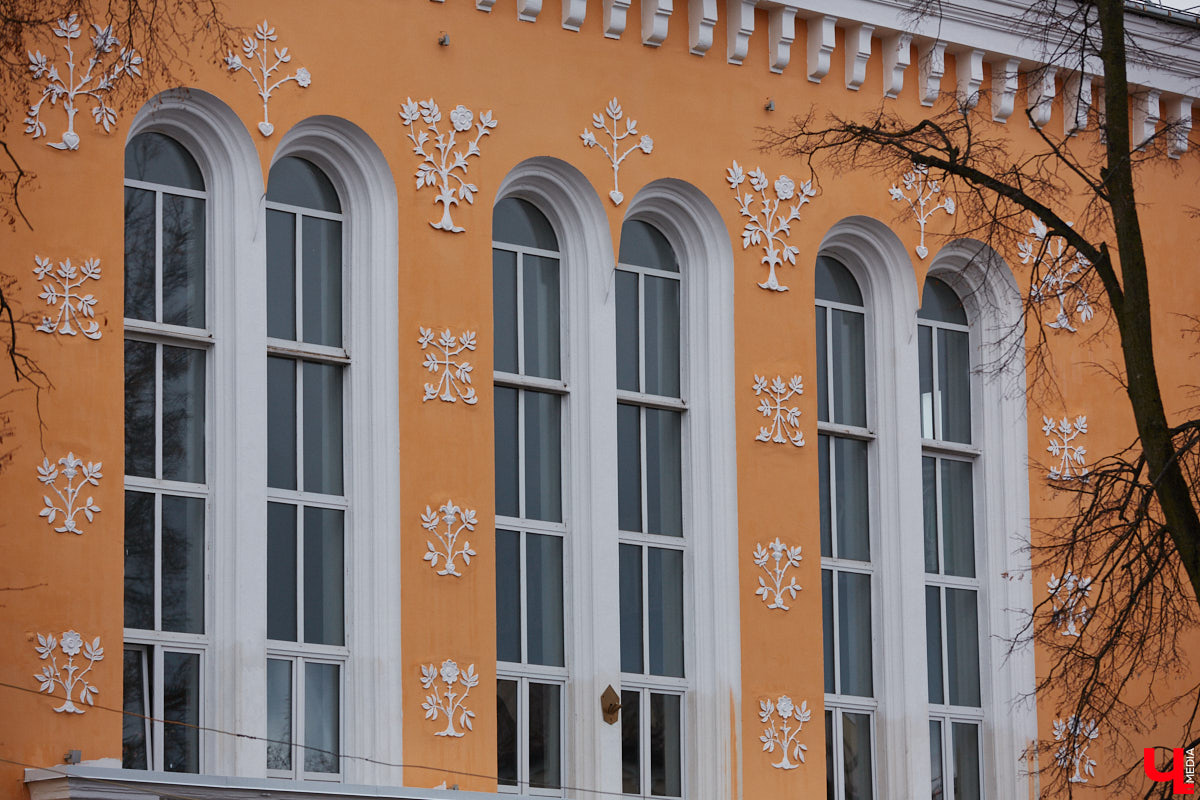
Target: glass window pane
545, 736
504, 309
822, 365
507, 733
849, 369
853, 499
157, 158
665, 746
823, 488
279, 714
508, 596
322, 716
662, 336
299, 182
631, 609
183, 564
933, 642
628, 336
929, 503
664, 576
854, 647
183, 260
281, 423
281, 572
925, 369
508, 473
140, 239
181, 703
940, 303
856, 755
139, 560
543, 456
321, 280
962, 646
324, 560
642, 244
519, 222
281, 274
829, 633
544, 599
135, 727
183, 414
966, 761
631, 742
664, 472
835, 283
954, 376
629, 467
322, 428
540, 306
935, 760
958, 518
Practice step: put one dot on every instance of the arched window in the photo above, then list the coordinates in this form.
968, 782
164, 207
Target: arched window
530, 395
307, 362
168, 347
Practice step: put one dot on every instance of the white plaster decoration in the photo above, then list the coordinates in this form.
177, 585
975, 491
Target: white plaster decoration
897, 56
1072, 464
438, 169
1179, 119
738, 27
1004, 88
449, 702
79, 308
781, 32
485, 5
969, 65
1039, 95
768, 226
616, 136
1068, 596
775, 560
702, 18
785, 735
615, 12
70, 675
528, 10
655, 16
256, 50
1145, 117
1077, 99
1076, 737
448, 549
822, 37
932, 66
785, 420
858, 53
924, 191
79, 82
454, 373
1059, 275
69, 503
573, 13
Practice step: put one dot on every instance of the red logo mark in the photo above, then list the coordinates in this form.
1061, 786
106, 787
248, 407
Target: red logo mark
1180, 784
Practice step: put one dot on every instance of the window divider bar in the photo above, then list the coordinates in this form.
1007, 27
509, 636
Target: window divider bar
651, 400
515, 381
846, 431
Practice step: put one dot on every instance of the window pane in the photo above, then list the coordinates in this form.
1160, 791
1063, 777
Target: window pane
322, 428
544, 599
933, 642
835, 283
299, 182
830, 769
324, 559
139, 409
925, 369
519, 222
183, 260
935, 760
631, 743
929, 503
664, 575
958, 518
642, 244
321, 717
628, 337
183, 564
508, 473
281, 572
822, 365
940, 303
631, 609
856, 754
321, 278
508, 596
962, 646
183, 414
543, 456
823, 489
504, 309
665, 746
849, 369
853, 499
662, 336
664, 472
181, 703
629, 468
507, 733
829, 633
854, 647
135, 727
281, 274
541, 309
139, 560
281, 423
954, 376
545, 736
139, 254
279, 714
966, 761
157, 158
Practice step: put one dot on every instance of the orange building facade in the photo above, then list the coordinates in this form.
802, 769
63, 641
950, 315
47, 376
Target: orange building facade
451, 399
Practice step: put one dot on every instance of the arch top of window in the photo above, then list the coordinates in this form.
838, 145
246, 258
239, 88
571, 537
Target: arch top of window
835, 283
299, 182
157, 158
939, 303
643, 245
520, 222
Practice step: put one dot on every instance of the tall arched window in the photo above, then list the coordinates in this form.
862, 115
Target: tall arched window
307, 362
847, 572
168, 347
952, 585
651, 521
530, 394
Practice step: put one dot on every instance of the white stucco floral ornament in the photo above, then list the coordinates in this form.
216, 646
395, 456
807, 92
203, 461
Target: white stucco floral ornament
70, 675
444, 555
615, 114
448, 701
775, 560
93, 79
69, 504
453, 371
1072, 755
922, 203
444, 168
1057, 273
769, 225
256, 50
1072, 465
784, 419
785, 721
1068, 601
59, 289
